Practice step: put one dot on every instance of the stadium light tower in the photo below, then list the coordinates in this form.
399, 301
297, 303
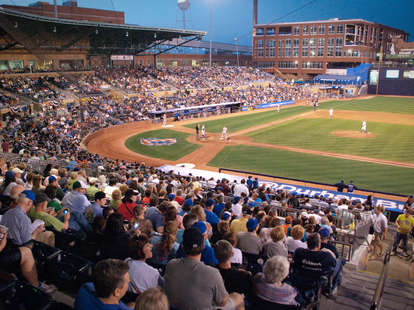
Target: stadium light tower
183, 5
210, 32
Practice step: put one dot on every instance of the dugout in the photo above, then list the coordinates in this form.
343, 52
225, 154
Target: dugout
392, 80
196, 111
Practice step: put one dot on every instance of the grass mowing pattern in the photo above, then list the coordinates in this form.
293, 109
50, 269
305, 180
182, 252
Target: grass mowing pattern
169, 152
391, 141
316, 168
377, 104
237, 123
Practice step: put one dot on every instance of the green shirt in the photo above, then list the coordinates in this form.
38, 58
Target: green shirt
49, 220
91, 191
115, 204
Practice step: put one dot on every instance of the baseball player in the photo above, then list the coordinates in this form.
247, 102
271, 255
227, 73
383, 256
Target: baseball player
203, 132
330, 113
224, 134
164, 120
364, 127
278, 107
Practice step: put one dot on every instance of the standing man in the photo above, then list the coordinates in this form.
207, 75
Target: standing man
405, 224
203, 132
330, 113
364, 127
278, 107
197, 129
380, 225
314, 105
164, 120
224, 134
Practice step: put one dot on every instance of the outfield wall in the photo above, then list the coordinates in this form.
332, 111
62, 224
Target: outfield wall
392, 81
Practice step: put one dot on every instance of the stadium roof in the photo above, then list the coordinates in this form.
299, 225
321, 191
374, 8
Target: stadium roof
41, 32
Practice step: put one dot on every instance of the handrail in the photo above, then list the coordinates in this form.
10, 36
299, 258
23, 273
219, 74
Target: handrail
305, 181
379, 290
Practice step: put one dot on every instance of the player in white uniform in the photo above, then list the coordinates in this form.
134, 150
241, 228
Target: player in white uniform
224, 134
278, 107
203, 132
164, 120
330, 113
364, 127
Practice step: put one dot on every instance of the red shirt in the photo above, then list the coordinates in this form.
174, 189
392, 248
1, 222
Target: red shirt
126, 210
180, 200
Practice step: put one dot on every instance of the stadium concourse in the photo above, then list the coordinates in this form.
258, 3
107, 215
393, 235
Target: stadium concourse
109, 233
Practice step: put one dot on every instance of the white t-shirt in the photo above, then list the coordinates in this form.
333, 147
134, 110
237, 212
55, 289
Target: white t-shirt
237, 257
240, 188
293, 244
142, 275
237, 210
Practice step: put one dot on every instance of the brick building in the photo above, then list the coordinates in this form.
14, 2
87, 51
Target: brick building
306, 49
70, 10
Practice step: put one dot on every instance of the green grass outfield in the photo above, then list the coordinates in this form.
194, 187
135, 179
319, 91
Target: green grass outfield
169, 152
237, 123
377, 104
391, 141
316, 168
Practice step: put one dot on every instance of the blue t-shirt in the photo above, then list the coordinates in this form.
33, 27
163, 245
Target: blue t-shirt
211, 217
155, 216
86, 300
208, 257
218, 208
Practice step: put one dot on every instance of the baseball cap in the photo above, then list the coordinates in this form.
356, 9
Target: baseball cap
17, 170
130, 193
52, 179
252, 224
171, 196
201, 226
324, 232
192, 238
9, 174
41, 197
99, 195
79, 184
225, 216
29, 194
188, 202
236, 199
219, 188
54, 204
209, 202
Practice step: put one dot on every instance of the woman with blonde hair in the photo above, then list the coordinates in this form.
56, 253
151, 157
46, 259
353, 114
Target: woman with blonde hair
294, 241
152, 299
165, 246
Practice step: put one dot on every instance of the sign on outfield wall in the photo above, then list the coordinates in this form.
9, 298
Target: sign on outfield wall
122, 57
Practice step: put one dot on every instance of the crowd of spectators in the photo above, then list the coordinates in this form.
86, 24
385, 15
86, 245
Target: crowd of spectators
152, 233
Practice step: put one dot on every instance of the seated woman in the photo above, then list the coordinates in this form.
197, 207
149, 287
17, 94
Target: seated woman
142, 275
277, 245
115, 238
268, 285
165, 247
293, 242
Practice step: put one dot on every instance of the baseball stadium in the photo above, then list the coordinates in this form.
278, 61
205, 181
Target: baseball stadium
149, 167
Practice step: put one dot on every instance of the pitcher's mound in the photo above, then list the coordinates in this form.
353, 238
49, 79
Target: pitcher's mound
353, 134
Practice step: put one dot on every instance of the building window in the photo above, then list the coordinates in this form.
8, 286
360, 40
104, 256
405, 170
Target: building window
331, 41
260, 53
312, 42
272, 52
280, 48
313, 29
320, 51
288, 64
338, 51
259, 31
305, 30
330, 52
260, 43
305, 43
285, 30
312, 52
270, 31
340, 28
339, 42
312, 65
331, 28
296, 48
269, 64
321, 29
296, 30
321, 42
304, 52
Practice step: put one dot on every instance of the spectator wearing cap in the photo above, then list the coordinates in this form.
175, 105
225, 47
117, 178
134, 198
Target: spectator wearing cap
126, 208
8, 183
172, 201
54, 182
207, 255
207, 288
110, 283
99, 204
40, 211
325, 243
211, 217
249, 242
76, 200
17, 221
239, 225
235, 279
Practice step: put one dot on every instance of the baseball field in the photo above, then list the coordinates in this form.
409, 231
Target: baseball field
296, 142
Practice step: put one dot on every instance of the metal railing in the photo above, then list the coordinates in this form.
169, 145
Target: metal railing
379, 290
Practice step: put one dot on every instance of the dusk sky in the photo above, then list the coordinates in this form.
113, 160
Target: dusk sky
233, 18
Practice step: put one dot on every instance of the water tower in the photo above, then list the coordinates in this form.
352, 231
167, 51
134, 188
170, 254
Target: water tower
183, 5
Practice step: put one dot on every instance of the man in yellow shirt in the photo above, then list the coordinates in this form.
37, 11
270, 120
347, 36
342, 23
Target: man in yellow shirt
405, 223
239, 225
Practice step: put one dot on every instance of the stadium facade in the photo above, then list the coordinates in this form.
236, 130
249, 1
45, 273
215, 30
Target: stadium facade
313, 47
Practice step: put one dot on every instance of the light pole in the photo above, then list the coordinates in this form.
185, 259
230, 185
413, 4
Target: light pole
211, 29
237, 51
